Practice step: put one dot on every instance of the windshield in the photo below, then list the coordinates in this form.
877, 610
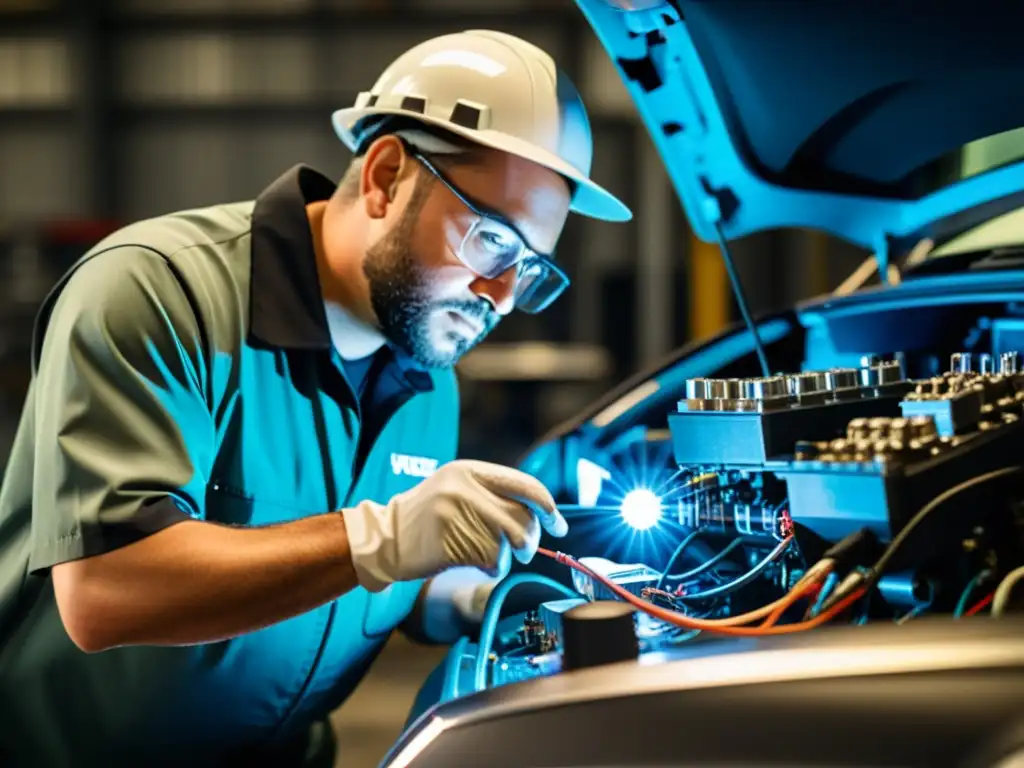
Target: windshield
1001, 232
972, 159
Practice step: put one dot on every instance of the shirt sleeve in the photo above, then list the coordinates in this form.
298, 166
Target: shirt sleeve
124, 437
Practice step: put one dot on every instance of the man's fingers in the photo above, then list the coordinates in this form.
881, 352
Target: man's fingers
512, 484
504, 561
529, 538
554, 523
526, 489
550, 520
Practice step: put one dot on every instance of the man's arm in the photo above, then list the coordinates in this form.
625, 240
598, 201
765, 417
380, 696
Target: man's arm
125, 443
198, 582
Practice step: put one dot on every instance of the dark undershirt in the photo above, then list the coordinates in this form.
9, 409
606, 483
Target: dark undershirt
356, 372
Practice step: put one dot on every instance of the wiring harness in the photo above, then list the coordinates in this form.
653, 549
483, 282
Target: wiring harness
739, 625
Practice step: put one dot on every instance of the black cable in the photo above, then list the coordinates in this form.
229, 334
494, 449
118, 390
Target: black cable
707, 564
872, 577
741, 300
743, 580
693, 536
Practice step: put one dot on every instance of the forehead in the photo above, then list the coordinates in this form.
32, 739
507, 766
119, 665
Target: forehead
533, 198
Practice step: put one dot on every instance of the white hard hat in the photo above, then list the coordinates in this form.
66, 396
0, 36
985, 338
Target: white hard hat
496, 90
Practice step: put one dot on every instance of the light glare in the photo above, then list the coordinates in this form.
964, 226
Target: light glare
590, 478
641, 509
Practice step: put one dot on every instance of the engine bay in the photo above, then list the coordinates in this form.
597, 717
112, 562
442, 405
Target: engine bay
848, 495
868, 509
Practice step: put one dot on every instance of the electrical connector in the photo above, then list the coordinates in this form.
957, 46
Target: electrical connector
854, 581
860, 548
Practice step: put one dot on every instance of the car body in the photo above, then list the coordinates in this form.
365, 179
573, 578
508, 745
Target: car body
893, 126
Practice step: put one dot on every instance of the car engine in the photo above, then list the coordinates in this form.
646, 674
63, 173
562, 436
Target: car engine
847, 496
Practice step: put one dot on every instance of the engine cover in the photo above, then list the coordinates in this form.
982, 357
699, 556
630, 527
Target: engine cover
935, 693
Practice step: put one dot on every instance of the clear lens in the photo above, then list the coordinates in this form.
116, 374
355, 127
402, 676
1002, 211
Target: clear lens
539, 283
490, 248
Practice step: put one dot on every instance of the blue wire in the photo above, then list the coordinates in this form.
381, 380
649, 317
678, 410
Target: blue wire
684, 637
830, 583
489, 625
450, 686
965, 596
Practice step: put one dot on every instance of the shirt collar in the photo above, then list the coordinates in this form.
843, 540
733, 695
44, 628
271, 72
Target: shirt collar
352, 338
287, 306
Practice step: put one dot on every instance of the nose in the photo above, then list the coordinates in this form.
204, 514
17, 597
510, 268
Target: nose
499, 292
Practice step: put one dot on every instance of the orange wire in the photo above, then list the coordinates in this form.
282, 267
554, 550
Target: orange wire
789, 600
815, 574
725, 627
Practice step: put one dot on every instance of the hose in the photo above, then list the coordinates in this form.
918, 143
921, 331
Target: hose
706, 565
450, 685
743, 580
1005, 590
492, 614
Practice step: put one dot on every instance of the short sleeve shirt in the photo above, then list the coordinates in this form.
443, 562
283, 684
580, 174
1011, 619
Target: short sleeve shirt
184, 370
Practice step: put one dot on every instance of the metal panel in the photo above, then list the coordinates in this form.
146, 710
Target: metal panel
42, 175
604, 246
600, 84
610, 244
149, 7
25, 6
34, 72
267, 151
172, 166
218, 68
655, 253
358, 60
496, 6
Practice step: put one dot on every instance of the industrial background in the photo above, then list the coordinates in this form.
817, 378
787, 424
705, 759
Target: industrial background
116, 110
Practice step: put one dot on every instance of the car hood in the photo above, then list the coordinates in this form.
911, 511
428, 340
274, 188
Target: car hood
876, 121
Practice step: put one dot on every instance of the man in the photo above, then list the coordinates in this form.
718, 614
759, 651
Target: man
222, 496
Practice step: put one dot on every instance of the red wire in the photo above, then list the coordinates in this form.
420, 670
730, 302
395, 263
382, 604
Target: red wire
686, 622
810, 591
980, 605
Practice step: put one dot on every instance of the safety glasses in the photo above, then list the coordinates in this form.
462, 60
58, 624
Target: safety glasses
492, 246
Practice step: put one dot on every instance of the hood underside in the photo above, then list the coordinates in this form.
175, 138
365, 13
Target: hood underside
878, 121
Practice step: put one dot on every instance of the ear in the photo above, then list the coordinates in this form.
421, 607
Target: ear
383, 167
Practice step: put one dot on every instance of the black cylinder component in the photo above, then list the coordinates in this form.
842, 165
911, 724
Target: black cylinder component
601, 632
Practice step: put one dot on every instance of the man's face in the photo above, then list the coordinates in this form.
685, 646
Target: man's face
427, 301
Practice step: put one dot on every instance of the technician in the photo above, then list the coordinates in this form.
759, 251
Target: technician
233, 475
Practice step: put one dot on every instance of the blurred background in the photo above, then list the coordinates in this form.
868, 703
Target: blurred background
115, 110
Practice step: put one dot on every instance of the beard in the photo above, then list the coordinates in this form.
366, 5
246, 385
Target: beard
400, 296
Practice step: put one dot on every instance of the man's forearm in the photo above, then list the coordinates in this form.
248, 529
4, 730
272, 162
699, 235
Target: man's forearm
198, 582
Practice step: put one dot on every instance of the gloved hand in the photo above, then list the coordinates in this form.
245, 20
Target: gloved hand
467, 513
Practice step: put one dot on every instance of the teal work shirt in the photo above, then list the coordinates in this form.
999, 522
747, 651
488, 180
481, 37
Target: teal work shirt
184, 370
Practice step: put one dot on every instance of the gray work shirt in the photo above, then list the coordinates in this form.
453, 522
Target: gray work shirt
184, 370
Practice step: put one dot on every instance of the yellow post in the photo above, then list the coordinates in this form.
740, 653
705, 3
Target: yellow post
708, 288
817, 264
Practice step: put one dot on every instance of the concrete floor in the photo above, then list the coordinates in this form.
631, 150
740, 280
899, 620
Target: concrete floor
371, 720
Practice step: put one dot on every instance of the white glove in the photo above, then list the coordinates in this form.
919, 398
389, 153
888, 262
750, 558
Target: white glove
455, 602
467, 513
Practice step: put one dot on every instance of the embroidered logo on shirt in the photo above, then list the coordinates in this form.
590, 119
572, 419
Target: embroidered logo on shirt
413, 466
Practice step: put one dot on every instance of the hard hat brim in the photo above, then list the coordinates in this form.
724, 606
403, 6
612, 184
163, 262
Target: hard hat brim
589, 199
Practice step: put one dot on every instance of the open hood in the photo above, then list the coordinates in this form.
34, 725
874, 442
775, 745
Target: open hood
878, 121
